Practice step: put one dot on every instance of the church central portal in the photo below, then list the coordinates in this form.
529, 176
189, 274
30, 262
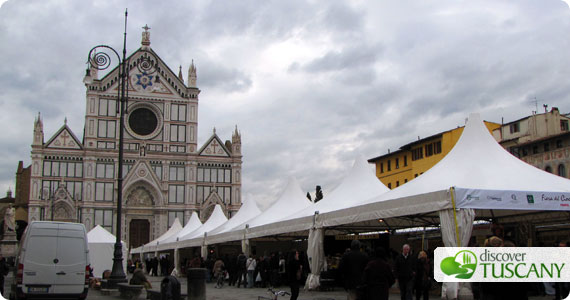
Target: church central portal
139, 232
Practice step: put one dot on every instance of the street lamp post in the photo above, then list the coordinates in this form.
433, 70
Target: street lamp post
100, 59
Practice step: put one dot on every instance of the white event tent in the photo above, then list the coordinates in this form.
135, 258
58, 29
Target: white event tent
291, 200
196, 237
193, 224
101, 245
476, 174
358, 185
247, 211
172, 231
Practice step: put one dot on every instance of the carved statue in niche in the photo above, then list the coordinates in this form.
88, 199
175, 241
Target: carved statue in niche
139, 197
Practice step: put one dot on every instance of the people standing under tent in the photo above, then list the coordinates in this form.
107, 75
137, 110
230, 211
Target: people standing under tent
264, 271
351, 269
148, 265
241, 269
424, 271
209, 267
378, 276
405, 272
294, 273
155, 266
273, 269
161, 265
282, 269
250, 266
218, 269
232, 270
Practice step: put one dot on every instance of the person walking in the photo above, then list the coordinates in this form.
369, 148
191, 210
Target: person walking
294, 273
218, 270
351, 268
250, 266
241, 269
405, 273
423, 278
378, 277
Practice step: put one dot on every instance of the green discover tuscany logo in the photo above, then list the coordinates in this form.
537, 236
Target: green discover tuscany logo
463, 264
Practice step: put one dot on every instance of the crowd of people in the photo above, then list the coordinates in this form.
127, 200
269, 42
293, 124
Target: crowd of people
371, 276
251, 271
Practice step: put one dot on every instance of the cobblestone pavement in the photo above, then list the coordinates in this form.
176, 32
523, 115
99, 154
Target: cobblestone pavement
234, 293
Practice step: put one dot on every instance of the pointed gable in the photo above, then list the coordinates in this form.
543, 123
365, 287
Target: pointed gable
141, 170
214, 147
148, 73
64, 139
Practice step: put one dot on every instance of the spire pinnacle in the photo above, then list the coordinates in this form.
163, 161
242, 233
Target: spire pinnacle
192, 77
145, 36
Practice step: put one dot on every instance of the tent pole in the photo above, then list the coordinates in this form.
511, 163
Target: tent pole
452, 192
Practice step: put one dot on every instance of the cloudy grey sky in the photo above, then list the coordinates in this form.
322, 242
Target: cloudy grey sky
310, 84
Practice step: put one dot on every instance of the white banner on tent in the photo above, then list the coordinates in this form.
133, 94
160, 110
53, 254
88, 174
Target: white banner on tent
518, 200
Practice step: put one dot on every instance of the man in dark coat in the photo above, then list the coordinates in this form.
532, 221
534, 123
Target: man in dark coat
351, 269
405, 273
378, 276
241, 270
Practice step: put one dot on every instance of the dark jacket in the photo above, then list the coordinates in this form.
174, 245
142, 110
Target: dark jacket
405, 267
352, 267
378, 279
293, 267
241, 260
424, 273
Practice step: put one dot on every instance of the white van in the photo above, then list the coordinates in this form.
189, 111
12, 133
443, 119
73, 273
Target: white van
52, 262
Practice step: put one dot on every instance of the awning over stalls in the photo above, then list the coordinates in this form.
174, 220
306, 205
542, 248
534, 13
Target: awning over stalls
172, 231
247, 211
359, 184
196, 237
477, 164
291, 200
170, 242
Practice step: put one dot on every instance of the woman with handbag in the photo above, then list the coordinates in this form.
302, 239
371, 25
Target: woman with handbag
294, 272
423, 276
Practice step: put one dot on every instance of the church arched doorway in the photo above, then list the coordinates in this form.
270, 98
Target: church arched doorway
139, 232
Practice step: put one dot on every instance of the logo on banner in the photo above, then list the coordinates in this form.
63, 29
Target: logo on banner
462, 265
471, 197
502, 264
530, 199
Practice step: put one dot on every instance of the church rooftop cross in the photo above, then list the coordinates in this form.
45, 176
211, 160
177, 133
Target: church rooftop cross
214, 145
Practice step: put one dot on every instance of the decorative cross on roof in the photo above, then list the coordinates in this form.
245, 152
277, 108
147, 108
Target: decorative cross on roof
146, 28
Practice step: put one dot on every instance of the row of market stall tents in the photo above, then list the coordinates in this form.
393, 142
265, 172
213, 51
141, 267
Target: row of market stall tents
476, 175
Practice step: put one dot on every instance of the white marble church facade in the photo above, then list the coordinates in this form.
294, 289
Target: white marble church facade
166, 173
